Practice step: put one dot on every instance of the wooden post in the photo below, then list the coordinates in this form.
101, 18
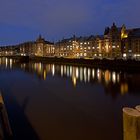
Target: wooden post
131, 124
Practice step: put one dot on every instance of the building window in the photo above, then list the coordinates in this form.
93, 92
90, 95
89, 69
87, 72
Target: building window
124, 55
85, 54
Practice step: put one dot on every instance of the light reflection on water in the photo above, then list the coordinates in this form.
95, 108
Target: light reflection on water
76, 74
81, 74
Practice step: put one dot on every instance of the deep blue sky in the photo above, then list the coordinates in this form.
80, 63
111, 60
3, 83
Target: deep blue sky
23, 20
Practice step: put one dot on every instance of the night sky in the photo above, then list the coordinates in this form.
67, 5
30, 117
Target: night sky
24, 20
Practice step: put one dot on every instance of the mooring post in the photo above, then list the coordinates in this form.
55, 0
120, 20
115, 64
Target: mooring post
131, 123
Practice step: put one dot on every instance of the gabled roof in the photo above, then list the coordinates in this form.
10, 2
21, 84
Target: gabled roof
81, 39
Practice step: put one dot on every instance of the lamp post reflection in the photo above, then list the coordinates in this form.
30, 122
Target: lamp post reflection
107, 76
81, 74
124, 88
74, 81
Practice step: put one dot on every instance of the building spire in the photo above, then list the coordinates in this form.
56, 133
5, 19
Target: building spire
40, 37
114, 24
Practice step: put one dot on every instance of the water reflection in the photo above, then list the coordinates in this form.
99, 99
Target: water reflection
75, 104
114, 82
7, 63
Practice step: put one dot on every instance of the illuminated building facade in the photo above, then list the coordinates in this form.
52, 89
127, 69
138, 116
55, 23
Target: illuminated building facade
132, 44
76, 47
111, 43
44, 48
65, 47
120, 42
115, 43
40, 47
9, 50
87, 47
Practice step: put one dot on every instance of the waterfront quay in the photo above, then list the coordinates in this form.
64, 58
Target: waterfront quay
117, 64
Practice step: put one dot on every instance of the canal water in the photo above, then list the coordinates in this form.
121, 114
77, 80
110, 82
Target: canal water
65, 102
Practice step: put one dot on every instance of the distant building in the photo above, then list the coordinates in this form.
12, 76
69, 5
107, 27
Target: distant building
111, 43
132, 44
76, 47
43, 48
66, 47
40, 47
87, 47
115, 43
119, 43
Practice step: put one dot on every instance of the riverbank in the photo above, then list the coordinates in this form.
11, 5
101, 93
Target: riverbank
99, 63
125, 65
17, 58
